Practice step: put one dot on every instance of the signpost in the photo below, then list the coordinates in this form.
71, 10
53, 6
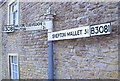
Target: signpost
70, 33
32, 26
42, 26
80, 32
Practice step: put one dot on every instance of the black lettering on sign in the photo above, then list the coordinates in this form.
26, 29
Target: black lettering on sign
96, 30
92, 30
101, 29
62, 34
9, 28
69, 33
79, 32
105, 28
86, 31
57, 35
52, 35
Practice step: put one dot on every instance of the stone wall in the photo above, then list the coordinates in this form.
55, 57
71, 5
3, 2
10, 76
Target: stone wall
33, 59
94, 57
1, 44
4, 44
83, 58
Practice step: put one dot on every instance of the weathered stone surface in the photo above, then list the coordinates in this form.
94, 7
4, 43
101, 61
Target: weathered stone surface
83, 58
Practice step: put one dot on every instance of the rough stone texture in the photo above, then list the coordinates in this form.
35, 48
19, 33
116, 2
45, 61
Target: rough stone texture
1, 44
83, 58
4, 44
33, 59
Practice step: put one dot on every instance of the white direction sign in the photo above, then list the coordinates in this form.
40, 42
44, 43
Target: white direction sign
80, 32
40, 27
32, 26
70, 33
